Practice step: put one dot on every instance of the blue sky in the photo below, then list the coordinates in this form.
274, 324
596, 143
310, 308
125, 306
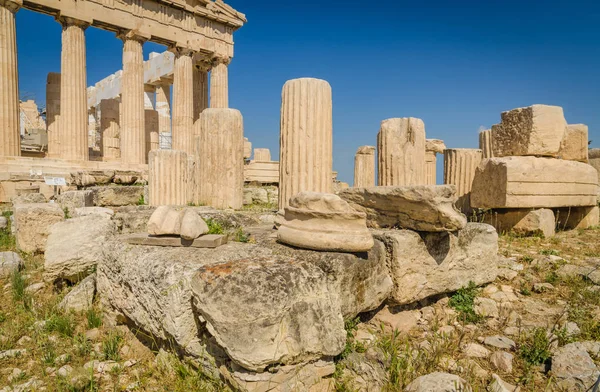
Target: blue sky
455, 64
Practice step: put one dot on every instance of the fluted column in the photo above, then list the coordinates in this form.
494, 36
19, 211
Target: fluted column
10, 136
167, 177
459, 169
110, 129
364, 167
219, 83
305, 142
430, 168
163, 107
133, 130
401, 152
183, 102
485, 143
220, 169
73, 94
262, 155
200, 89
53, 114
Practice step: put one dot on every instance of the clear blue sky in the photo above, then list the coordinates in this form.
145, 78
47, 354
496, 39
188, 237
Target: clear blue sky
455, 64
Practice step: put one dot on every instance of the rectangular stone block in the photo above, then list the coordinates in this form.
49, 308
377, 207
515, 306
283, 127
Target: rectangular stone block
33, 222
536, 130
574, 146
263, 172
523, 221
72, 200
577, 218
531, 182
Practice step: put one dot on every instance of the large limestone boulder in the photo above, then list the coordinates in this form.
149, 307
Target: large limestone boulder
75, 247
116, 196
537, 130
574, 146
427, 264
531, 182
71, 200
427, 208
573, 367
32, 224
323, 221
261, 304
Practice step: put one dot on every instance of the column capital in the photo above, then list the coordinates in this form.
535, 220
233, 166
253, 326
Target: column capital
216, 60
204, 65
133, 35
182, 51
69, 21
11, 5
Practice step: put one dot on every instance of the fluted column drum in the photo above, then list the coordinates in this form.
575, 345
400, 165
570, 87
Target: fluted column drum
73, 91
364, 167
110, 129
459, 169
167, 177
133, 130
53, 114
485, 143
10, 138
430, 168
220, 164
306, 155
219, 83
401, 152
163, 107
183, 102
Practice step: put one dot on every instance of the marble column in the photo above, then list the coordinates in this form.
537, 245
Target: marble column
459, 169
364, 167
401, 152
163, 107
183, 102
485, 143
219, 83
73, 91
53, 114
306, 154
167, 177
430, 168
10, 134
110, 129
133, 130
200, 89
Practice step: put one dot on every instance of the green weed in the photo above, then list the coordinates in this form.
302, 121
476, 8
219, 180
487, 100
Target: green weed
94, 319
463, 301
64, 324
534, 347
241, 236
214, 227
111, 346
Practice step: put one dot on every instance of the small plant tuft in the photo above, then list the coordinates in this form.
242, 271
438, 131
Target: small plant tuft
94, 319
534, 347
64, 324
111, 346
141, 201
549, 252
214, 227
463, 301
241, 236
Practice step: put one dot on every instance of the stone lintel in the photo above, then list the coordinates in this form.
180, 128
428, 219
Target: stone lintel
12, 5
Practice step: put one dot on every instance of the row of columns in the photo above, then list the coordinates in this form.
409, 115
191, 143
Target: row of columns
68, 126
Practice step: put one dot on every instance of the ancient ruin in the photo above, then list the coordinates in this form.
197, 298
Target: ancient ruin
459, 170
364, 167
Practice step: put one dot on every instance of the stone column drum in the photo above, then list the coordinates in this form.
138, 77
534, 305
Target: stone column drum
459, 169
133, 131
485, 143
10, 137
163, 107
219, 83
53, 114
364, 167
401, 152
73, 91
220, 171
430, 168
200, 89
110, 129
183, 102
306, 152
167, 177
151, 130
262, 155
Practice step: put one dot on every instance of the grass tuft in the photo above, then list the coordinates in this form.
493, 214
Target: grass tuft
463, 301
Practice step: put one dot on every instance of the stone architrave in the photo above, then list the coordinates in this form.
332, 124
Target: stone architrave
262, 155
183, 102
401, 152
220, 174
110, 129
10, 140
133, 130
532, 182
73, 96
306, 151
163, 107
536, 130
364, 167
323, 221
459, 170
53, 113
167, 177
574, 146
485, 143
219, 83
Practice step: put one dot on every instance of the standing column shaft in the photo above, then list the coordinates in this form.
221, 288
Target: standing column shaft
219, 83
53, 114
306, 160
167, 177
200, 90
430, 168
110, 129
485, 143
459, 169
163, 107
183, 102
10, 136
133, 131
401, 152
364, 167
73, 95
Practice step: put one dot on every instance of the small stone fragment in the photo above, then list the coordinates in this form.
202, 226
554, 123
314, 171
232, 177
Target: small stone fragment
502, 361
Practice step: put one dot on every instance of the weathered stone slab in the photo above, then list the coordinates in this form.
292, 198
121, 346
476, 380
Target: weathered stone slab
535, 130
435, 263
531, 182
323, 221
33, 222
524, 222
72, 200
117, 196
81, 297
75, 247
206, 241
10, 262
420, 208
574, 146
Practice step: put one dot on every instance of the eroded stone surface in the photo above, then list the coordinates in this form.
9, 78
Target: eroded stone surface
438, 382
523, 222
33, 222
9, 263
574, 146
81, 297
